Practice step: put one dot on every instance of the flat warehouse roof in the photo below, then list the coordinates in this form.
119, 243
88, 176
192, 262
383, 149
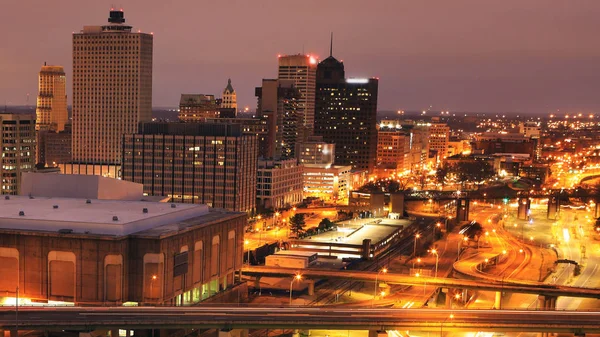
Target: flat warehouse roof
104, 217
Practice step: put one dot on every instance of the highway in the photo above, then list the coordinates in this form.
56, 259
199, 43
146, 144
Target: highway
223, 317
515, 286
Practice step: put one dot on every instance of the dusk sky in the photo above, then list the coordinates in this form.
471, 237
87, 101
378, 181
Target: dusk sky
459, 55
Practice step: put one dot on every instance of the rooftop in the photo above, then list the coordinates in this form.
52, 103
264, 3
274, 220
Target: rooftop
101, 217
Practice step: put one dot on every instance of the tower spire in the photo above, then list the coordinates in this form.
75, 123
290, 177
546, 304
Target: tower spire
331, 45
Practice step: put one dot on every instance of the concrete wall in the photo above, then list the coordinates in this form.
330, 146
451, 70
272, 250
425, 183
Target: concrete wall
79, 186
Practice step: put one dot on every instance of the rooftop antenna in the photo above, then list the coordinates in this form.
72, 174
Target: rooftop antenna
331, 45
303, 49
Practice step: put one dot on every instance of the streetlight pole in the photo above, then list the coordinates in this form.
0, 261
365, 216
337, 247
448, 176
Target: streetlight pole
152, 287
247, 243
442, 324
434, 252
438, 225
298, 277
417, 236
384, 270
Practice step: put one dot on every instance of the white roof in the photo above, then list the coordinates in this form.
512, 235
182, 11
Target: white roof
96, 217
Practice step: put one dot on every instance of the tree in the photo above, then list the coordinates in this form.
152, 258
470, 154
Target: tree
297, 223
440, 175
473, 171
325, 224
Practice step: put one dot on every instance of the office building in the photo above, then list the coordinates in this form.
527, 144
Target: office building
78, 251
112, 92
229, 99
315, 151
328, 183
213, 164
279, 183
54, 148
278, 106
439, 136
250, 126
346, 115
51, 107
393, 149
301, 70
197, 108
17, 138
504, 143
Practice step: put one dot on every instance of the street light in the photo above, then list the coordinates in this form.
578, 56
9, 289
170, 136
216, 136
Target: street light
434, 252
384, 270
298, 277
442, 324
247, 244
437, 225
152, 286
417, 236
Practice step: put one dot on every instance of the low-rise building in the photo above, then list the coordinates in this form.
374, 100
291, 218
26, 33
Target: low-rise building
278, 183
110, 252
328, 183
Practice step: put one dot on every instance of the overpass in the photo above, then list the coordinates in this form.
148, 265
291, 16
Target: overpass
525, 287
228, 317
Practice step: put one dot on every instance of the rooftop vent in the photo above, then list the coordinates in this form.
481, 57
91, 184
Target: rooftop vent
88, 201
7, 197
115, 218
173, 206
144, 210
65, 231
21, 213
55, 206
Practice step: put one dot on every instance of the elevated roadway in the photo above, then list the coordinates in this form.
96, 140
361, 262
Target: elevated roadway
78, 318
524, 287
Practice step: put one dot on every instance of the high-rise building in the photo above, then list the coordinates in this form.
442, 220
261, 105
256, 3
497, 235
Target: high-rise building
197, 108
229, 97
17, 138
439, 136
213, 164
112, 91
51, 110
302, 70
278, 105
346, 115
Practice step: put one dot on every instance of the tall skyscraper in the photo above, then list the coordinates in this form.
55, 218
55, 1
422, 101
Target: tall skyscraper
17, 138
346, 115
51, 110
229, 97
278, 105
112, 91
302, 70
439, 136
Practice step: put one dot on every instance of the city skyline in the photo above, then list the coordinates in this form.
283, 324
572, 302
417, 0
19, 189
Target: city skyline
463, 56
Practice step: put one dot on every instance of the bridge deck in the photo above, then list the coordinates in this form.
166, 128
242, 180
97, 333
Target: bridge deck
525, 287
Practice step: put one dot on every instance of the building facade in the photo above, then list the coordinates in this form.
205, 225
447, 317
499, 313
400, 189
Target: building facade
194, 163
63, 251
51, 106
439, 136
18, 140
197, 108
301, 70
112, 89
315, 151
54, 148
393, 149
279, 183
229, 97
346, 115
328, 183
278, 106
